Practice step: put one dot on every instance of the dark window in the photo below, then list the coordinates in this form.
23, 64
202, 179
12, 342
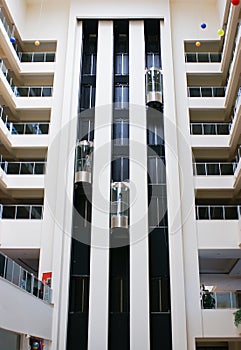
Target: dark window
79, 294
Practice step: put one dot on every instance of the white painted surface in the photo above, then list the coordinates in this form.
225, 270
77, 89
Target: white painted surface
139, 270
99, 258
34, 316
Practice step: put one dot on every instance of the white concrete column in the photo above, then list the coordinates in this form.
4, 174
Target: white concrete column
139, 262
99, 259
176, 255
64, 146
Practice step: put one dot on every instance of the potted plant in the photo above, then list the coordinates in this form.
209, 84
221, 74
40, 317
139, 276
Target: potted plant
237, 320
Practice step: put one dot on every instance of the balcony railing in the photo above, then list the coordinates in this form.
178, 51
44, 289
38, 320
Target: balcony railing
206, 91
218, 212
6, 72
210, 128
23, 279
21, 211
214, 168
36, 56
203, 57
221, 300
23, 168
238, 34
41, 128
28, 128
33, 91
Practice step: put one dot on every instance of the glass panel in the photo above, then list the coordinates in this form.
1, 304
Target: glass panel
47, 91
196, 129
39, 168
79, 298
153, 215
152, 171
223, 129
216, 213
50, 57
209, 129
8, 212
191, 57
26, 57
43, 129
22, 91
206, 91
203, 213
215, 57
226, 169
31, 129
119, 295
231, 213
9, 270
18, 129
22, 212
26, 168
13, 168
194, 92
223, 300
2, 265
219, 92
16, 273
213, 169
203, 57
38, 57
36, 212
34, 92
200, 169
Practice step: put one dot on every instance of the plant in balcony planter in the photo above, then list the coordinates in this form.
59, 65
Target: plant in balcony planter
237, 319
208, 300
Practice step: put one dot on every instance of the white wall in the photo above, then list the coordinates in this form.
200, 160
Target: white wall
24, 313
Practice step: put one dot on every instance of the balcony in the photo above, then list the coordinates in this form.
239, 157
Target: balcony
216, 169
203, 57
21, 211
16, 284
222, 300
218, 212
210, 128
21, 278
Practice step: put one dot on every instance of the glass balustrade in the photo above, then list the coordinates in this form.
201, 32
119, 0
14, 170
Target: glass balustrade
36, 56
5, 72
23, 279
214, 169
33, 91
119, 205
206, 91
203, 57
32, 128
210, 128
154, 91
83, 161
220, 300
218, 212
21, 211
23, 168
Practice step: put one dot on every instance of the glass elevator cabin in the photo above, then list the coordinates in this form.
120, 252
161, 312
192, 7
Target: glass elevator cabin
83, 163
154, 93
119, 205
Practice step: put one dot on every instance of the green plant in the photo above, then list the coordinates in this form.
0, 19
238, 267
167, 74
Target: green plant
237, 317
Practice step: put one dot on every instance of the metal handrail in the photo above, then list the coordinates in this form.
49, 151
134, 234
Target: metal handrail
25, 280
5, 72
21, 211
210, 128
218, 212
206, 91
36, 56
23, 168
217, 168
212, 57
222, 300
33, 91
